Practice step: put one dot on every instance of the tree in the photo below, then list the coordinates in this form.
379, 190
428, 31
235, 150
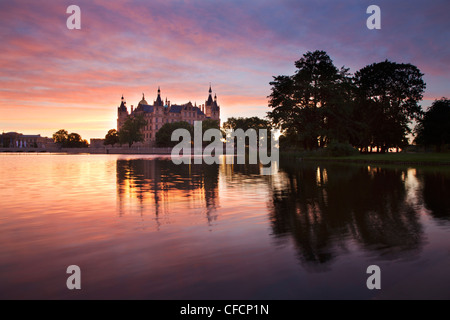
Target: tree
111, 137
66, 140
164, 134
246, 123
305, 102
387, 99
74, 140
60, 137
434, 127
131, 130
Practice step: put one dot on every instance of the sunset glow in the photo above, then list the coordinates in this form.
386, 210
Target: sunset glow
53, 78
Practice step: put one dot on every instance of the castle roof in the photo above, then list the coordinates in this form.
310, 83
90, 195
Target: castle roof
145, 107
175, 108
122, 106
199, 111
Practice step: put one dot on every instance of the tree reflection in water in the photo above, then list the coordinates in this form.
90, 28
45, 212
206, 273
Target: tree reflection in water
328, 207
436, 193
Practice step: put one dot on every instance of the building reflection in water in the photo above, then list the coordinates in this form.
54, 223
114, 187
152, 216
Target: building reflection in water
156, 187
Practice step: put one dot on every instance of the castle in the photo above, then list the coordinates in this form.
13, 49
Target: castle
160, 113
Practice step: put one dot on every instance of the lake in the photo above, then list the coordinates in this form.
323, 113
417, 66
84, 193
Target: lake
140, 227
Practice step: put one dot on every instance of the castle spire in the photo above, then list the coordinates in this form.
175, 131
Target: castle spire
158, 101
209, 102
122, 105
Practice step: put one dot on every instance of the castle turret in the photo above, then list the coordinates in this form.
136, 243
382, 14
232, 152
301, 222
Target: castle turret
158, 102
212, 109
122, 113
209, 102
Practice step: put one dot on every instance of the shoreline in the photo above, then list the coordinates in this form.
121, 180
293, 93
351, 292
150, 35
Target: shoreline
425, 159
126, 150
375, 161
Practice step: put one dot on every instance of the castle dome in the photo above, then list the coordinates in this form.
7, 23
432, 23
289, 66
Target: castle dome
143, 101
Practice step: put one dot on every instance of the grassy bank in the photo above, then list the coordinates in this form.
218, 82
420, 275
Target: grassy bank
400, 158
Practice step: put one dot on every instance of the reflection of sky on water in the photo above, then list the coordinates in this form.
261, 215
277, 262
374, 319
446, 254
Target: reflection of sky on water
145, 228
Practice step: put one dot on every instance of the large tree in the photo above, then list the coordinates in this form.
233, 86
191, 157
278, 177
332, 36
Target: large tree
111, 138
131, 130
74, 140
387, 101
434, 127
309, 103
60, 137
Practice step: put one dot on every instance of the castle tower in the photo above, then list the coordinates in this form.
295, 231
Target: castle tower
212, 109
122, 114
158, 102
209, 103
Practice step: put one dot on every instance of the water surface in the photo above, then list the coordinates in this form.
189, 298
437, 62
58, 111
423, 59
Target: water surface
142, 227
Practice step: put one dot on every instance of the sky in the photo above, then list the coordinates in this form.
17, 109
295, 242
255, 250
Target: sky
54, 78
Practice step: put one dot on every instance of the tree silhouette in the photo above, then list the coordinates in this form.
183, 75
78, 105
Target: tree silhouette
388, 96
320, 104
111, 137
66, 140
130, 131
434, 128
305, 103
60, 137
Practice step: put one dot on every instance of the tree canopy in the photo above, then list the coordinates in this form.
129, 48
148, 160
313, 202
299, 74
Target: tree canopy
387, 96
66, 140
111, 138
246, 123
60, 136
434, 127
304, 103
321, 103
131, 130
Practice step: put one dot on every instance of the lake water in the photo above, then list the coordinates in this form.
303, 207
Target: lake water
142, 227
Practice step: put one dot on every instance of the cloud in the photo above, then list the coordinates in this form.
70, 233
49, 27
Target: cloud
129, 47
